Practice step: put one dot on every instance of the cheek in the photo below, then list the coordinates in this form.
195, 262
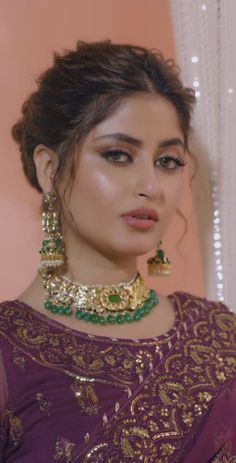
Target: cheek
173, 192
95, 188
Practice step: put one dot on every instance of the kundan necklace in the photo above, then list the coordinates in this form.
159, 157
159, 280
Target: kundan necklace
101, 304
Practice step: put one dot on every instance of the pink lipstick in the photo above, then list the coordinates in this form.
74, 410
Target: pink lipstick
142, 219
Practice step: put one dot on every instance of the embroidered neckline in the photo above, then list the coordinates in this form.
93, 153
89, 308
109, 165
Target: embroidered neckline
94, 337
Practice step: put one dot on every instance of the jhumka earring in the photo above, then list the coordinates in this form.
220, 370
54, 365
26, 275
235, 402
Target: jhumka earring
159, 265
52, 251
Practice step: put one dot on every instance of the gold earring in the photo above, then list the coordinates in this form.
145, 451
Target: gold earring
52, 251
159, 265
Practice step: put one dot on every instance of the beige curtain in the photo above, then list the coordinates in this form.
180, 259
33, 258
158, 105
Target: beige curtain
205, 37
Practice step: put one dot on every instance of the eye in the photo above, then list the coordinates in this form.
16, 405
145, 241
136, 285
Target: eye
170, 162
117, 156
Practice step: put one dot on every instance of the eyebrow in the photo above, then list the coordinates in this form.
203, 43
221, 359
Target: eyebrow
136, 142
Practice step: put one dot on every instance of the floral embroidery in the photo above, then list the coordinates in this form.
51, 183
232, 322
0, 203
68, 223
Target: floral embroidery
18, 359
224, 455
86, 397
44, 404
16, 428
96, 454
162, 388
63, 450
154, 433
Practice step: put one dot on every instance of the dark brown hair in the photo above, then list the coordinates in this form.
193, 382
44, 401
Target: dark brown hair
84, 87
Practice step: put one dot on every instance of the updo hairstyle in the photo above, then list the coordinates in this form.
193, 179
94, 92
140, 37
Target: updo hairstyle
86, 86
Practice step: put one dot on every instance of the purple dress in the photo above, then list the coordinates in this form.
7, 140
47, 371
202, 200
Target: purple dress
66, 396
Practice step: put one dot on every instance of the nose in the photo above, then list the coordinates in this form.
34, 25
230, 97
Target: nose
147, 181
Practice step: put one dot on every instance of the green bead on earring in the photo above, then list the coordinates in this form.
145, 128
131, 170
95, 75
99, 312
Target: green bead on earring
159, 265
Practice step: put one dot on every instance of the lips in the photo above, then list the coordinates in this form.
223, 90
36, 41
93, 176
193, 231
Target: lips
142, 213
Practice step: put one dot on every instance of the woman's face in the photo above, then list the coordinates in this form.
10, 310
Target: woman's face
129, 161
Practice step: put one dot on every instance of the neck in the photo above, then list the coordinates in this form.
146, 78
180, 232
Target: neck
94, 268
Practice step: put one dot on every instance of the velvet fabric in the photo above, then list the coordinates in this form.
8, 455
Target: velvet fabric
68, 396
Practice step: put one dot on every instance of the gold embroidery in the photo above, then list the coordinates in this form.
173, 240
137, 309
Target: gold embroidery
63, 450
187, 418
111, 360
204, 396
225, 321
16, 428
170, 392
44, 404
125, 442
167, 449
224, 455
164, 412
18, 358
153, 426
186, 386
143, 358
174, 394
86, 397
135, 442
220, 375
97, 452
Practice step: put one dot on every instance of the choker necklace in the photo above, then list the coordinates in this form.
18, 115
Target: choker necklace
101, 304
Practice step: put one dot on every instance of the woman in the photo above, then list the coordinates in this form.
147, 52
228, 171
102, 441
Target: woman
97, 366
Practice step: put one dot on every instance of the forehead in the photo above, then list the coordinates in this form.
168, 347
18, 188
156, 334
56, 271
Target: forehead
142, 116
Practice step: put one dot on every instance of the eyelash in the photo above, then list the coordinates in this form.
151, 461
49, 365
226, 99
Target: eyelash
179, 162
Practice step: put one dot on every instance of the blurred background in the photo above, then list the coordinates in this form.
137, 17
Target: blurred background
30, 31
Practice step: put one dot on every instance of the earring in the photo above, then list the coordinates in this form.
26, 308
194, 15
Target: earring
159, 265
52, 251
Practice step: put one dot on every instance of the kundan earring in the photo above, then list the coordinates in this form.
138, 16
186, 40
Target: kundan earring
159, 264
52, 251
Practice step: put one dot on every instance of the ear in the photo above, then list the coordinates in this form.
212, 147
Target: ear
46, 163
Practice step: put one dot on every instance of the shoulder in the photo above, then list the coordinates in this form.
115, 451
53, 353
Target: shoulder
211, 322
12, 315
209, 340
6, 308
204, 306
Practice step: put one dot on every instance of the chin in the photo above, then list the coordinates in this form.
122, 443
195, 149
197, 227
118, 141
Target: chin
137, 247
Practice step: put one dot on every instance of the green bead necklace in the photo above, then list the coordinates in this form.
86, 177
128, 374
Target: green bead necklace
110, 319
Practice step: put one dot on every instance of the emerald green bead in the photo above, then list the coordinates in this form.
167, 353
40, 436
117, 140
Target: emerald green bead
120, 319
45, 244
142, 311
145, 306
149, 304
91, 318
102, 320
68, 311
153, 296
128, 318
137, 315
94, 318
146, 312
161, 253
79, 314
48, 305
61, 310
114, 298
110, 319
